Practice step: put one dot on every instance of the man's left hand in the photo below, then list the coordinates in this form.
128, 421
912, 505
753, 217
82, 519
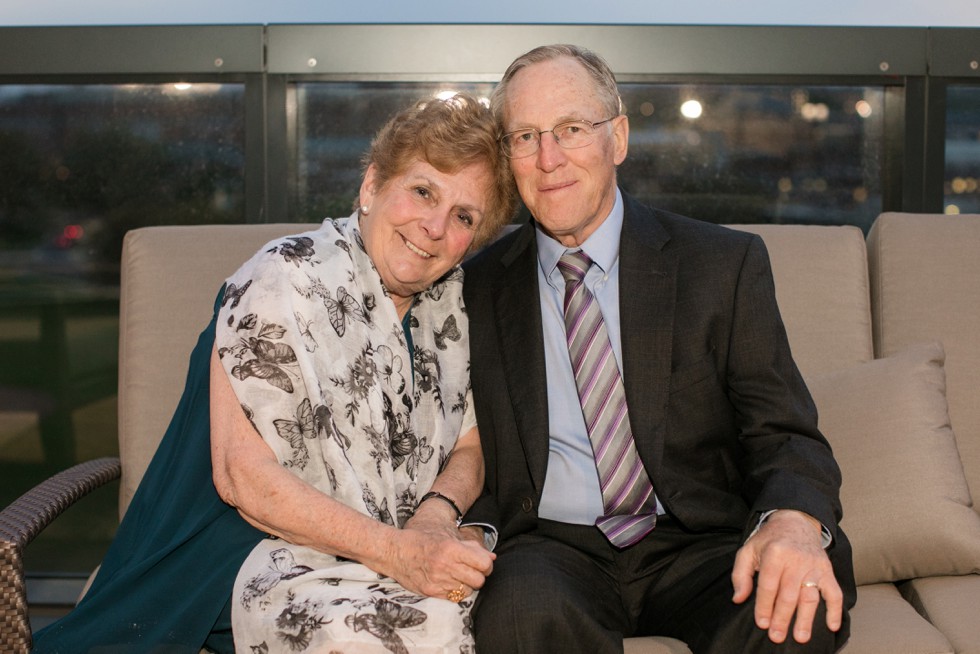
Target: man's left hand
794, 572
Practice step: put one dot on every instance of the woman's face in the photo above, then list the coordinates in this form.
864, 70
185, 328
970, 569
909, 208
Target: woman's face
420, 224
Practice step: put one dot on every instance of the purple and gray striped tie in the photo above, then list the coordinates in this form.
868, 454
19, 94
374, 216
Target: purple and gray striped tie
627, 493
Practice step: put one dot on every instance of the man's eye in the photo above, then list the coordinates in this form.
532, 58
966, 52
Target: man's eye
524, 137
571, 129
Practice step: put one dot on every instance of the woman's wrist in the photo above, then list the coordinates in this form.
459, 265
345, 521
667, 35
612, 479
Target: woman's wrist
436, 495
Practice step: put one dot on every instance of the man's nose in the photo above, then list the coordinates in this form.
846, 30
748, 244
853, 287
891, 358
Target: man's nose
550, 154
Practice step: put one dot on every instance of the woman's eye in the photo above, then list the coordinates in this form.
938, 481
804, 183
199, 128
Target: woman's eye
422, 192
466, 219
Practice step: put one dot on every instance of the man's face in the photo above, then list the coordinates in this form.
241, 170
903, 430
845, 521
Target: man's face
569, 192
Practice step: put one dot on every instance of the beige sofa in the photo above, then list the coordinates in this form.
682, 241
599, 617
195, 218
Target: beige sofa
909, 295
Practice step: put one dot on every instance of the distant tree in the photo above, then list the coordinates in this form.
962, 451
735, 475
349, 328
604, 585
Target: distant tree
22, 192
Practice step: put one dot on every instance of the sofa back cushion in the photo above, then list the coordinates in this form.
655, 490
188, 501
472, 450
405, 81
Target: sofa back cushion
821, 277
170, 277
925, 275
888, 423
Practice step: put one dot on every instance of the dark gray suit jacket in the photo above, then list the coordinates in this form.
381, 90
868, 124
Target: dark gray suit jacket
720, 414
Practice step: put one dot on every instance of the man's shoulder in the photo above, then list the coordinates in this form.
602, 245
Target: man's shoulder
490, 256
683, 230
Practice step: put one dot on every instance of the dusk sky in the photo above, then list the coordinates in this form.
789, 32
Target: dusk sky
914, 13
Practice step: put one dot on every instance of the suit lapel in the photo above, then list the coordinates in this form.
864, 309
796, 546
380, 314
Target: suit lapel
647, 298
518, 318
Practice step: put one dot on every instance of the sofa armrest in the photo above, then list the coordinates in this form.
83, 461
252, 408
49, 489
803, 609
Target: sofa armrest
21, 522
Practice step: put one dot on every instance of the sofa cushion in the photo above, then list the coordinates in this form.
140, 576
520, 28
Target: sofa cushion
907, 509
654, 645
822, 288
950, 603
156, 337
925, 272
884, 623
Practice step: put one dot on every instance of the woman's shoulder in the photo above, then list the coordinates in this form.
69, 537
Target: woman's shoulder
301, 250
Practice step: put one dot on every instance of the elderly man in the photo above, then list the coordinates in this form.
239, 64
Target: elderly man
653, 461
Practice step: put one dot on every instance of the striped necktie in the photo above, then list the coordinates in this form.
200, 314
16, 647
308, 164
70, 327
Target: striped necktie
627, 493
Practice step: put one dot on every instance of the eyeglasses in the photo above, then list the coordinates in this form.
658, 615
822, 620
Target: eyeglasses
569, 135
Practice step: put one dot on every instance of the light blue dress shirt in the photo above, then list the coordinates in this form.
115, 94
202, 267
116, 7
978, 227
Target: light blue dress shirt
571, 489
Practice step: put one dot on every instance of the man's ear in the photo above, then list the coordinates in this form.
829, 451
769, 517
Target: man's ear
621, 138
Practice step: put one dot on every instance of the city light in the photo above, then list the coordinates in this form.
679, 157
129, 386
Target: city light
691, 109
960, 185
182, 88
815, 112
450, 93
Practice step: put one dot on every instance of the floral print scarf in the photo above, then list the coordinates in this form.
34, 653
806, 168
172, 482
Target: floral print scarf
317, 357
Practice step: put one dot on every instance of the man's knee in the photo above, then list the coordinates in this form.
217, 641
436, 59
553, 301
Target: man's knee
742, 629
531, 606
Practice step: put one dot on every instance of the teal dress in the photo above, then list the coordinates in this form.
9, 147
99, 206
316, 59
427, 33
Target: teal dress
165, 584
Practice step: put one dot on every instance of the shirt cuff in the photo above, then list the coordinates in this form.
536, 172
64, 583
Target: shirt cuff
825, 537
489, 533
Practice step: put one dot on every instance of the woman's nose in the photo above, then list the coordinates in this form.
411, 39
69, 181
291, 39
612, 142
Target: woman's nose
434, 224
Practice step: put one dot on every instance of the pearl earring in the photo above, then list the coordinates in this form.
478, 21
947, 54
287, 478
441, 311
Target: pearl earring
365, 209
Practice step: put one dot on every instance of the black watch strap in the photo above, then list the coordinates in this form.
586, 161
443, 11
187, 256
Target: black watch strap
431, 494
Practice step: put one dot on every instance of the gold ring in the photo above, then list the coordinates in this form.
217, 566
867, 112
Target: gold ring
809, 584
456, 596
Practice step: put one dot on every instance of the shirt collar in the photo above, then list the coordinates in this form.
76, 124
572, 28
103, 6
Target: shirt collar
602, 246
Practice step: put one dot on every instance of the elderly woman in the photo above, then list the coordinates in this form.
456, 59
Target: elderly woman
329, 402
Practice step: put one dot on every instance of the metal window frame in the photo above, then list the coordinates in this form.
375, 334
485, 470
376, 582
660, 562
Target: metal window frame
914, 65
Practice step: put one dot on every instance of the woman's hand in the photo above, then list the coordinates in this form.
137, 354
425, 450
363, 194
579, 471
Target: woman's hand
448, 562
428, 557
431, 557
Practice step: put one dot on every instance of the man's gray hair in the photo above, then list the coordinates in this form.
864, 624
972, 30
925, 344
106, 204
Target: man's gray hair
598, 69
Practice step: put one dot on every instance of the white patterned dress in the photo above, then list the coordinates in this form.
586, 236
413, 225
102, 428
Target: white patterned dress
318, 358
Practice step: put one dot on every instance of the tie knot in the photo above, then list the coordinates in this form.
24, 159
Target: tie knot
574, 265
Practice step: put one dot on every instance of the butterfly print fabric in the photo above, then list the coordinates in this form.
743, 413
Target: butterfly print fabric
317, 356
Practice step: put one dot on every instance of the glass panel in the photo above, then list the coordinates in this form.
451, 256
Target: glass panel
330, 128
961, 187
726, 154
757, 154
79, 166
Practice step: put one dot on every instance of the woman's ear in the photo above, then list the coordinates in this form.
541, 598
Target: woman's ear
368, 186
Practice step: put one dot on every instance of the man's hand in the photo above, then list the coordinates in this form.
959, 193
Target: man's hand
794, 572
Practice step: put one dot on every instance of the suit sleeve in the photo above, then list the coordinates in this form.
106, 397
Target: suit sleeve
788, 462
484, 512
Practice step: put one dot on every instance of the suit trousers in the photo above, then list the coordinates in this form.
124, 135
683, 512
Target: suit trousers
565, 588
